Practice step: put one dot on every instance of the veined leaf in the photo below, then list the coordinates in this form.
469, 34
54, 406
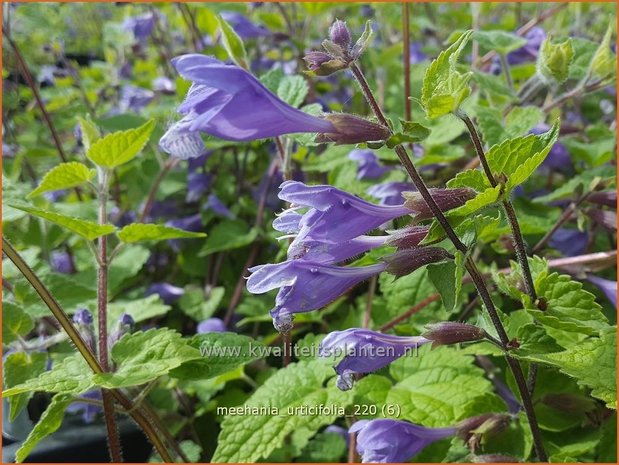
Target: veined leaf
90, 132
137, 232
19, 367
15, 322
292, 90
64, 176
120, 147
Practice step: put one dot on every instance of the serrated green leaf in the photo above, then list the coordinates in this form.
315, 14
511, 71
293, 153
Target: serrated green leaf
233, 43
429, 385
15, 322
593, 363
140, 309
70, 376
480, 201
138, 232
499, 41
90, 132
228, 235
64, 176
293, 90
199, 307
120, 147
447, 278
19, 367
248, 438
604, 61
444, 87
87, 229
474, 179
520, 120
221, 353
144, 356
579, 182
49, 422
272, 79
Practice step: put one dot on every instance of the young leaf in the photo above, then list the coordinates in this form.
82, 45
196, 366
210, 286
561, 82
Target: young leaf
499, 41
447, 278
90, 132
49, 422
19, 367
144, 356
481, 200
554, 60
249, 438
87, 229
63, 176
364, 41
444, 87
137, 232
233, 43
293, 90
120, 147
15, 322
604, 62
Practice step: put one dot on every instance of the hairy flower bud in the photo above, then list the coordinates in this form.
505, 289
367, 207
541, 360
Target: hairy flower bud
323, 64
605, 218
475, 430
607, 198
124, 326
83, 320
446, 199
351, 129
451, 332
406, 261
569, 403
408, 237
339, 34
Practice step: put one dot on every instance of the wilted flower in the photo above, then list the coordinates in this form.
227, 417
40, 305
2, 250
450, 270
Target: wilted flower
305, 285
228, 102
166, 291
211, 325
368, 165
608, 287
365, 351
390, 193
394, 441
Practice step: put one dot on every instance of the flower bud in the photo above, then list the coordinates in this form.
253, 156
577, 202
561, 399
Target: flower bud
83, 320
569, 403
475, 430
406, 261
554, 60
339, 34
605, 218
352, 130
451, 332
607, 198
446, 199
124, 326
408, 237
323, 64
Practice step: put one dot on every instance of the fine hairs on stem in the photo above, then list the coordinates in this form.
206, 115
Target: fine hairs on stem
469, 264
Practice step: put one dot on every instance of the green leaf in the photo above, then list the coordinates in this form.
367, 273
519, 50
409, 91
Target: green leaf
554, 60
444, 87
411, 132
19, 367
15, 322
575, 184
87, 229
429, 388
604, 62
272, 79
233, 43
137, 232
500, 41
520, 120
49, 422
228, 235
70, 376
199, 307
90, 132
325, 447
140, 309
592, 362
475, 179
447, 278
64, 176
120, 147
221, 353
144, 356
480, 201
293, 90
248, 438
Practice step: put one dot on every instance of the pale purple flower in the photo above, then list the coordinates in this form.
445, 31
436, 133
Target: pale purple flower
368, 166
125, 325
84, 323
213, 203
416, 54
141, 26
180, 143
228, 102
528, 52
133, 98
166, 291
164, 85
197, 185
305, 286
191, 223
365, 351
89, 411
211, 325
569, 242
331, 253
243, 26
608, 287
390, 193
61, 262
394, 441
558, 158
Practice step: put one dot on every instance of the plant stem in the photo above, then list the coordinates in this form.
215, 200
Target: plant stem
506, 71
90, 358
518, 240
469, 264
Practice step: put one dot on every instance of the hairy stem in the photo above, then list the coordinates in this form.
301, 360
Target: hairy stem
90, 358
469, 264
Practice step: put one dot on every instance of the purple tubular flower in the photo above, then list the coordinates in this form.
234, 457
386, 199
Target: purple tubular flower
197, 185
335, 216
89, 411
350, 129
365, 351
61, 262
339, 34
529, 51
605, 218
167, 292
84, 322
212, 325
329, 253
394, 441
305, 286
191, 223
453, 332
368, 165
407, 237
180, 143
569, 242
390, 193
417, 56
243, 26
608, 287
405, 261
218, 207
228, 102
607, 198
